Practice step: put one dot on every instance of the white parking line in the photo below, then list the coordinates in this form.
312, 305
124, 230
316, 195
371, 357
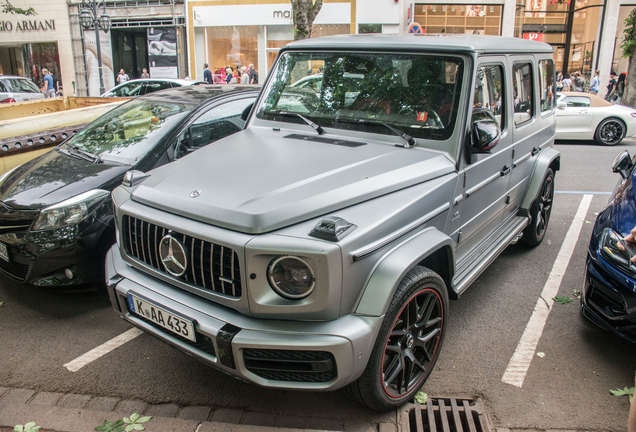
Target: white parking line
520, 361
105, 348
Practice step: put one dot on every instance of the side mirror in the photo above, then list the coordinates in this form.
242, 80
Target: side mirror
622, 164
246, 112
562, 104
485, 135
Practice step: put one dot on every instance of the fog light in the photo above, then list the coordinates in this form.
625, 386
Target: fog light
69, 274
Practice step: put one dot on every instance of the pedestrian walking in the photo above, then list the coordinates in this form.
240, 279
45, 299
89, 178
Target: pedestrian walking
578, 83
245, 77
207, 74
567, 83
253, 75
611, 87
144, 73
620, 88
49, 87
559, 81
122, 77
596, 82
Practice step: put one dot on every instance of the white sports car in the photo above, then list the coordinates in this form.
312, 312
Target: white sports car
584, 116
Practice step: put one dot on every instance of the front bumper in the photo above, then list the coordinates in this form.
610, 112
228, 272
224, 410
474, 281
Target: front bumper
609, 299
311, 355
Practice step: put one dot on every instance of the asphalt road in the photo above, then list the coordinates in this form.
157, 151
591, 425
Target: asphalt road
568, 388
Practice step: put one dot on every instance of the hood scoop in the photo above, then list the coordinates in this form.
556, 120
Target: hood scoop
334, 141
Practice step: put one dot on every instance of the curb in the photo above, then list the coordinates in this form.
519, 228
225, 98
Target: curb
68, 412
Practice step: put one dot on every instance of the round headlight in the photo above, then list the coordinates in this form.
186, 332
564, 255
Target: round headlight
291, 277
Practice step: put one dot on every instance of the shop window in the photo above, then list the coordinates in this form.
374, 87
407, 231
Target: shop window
547, 86
369, 28
230, 46
488, 95
458, 18
523, 93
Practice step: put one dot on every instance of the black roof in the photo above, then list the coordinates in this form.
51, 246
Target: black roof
198, 94
425, 42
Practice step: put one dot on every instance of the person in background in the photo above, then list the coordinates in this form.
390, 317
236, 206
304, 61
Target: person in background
578, 83
611, 86
567, 82
596, 82
122, 77
253, 75
620, 88
559, 80
49, 89
245, 77
230, 79
144, 73
207, 74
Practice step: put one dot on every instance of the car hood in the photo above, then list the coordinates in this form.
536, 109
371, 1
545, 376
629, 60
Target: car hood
55, 177
259, 180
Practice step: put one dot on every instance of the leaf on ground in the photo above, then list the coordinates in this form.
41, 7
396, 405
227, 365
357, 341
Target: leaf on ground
562, 299
541, 354
576, 293
421, 397
625, 391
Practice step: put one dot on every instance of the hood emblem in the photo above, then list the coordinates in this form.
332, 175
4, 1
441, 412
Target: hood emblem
173, 256
195, 193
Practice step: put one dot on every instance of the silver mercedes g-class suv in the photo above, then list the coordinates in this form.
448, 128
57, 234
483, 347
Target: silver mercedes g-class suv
377, 177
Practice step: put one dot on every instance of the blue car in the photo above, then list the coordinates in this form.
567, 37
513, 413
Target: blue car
609, 296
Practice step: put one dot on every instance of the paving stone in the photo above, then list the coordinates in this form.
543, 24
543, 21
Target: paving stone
201, 413
103, 403
3, 390
258, 419
325, 424
18, 395
227, 427
359, 426
225, 415
290, 422
387, 427
129, 407
162, 410
74, 401
46, 398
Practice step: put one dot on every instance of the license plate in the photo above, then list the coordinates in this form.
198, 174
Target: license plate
4, 252
162, 317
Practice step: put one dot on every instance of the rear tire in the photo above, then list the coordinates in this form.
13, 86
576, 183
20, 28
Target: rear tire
540, 212
610, 132
408, 344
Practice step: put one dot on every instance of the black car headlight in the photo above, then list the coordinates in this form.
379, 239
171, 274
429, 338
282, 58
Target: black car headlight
291, 277
70, 212
610, 250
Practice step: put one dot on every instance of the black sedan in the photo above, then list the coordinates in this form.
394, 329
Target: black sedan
56, 217
609, 295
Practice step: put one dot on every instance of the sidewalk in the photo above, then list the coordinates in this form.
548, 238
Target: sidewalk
67, 412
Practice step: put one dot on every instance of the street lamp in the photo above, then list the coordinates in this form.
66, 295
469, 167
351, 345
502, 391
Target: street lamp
89, 17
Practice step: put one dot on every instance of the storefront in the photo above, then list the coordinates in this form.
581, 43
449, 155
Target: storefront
243, 32
30, 43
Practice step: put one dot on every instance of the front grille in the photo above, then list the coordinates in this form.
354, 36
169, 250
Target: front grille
15, 269
209, 266
290, 365
14, 220
606, 301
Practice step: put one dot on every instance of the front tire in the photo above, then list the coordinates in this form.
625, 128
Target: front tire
610, 132
540, 212
408, 344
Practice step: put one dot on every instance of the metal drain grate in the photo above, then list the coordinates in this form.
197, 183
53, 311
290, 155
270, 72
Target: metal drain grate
445, 415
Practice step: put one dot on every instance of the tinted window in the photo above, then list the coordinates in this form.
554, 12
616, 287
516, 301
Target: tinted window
488, 94
578, 101
547, 86
523, 92
129, 89
21, 85
156, 86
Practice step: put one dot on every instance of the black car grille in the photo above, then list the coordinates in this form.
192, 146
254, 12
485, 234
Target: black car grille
289, 365
15, 269
15, 220
210, 266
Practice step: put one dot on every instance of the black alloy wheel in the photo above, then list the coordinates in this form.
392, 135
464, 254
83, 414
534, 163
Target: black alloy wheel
610, 132
408, 344
540, 212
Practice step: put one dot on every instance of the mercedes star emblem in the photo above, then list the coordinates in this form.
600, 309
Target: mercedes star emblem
195, 193
173, 256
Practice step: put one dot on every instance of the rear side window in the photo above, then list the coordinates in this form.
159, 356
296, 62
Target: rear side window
547, 87
577, 101
21, 85
523, 93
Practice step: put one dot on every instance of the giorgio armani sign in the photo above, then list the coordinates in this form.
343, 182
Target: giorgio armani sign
20, 26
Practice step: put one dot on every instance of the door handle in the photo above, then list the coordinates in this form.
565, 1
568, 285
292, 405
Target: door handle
535, 151
505, 171
583, 112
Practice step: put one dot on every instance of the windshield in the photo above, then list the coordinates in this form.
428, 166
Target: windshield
417, 94
128, 132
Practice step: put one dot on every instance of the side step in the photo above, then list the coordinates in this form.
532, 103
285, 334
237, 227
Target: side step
473, 264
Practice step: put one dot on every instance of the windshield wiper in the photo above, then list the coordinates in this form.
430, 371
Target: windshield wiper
305, 119
83, 153
410, 141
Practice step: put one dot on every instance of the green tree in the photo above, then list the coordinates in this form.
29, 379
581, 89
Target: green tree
10, 9
629, 46
304, 13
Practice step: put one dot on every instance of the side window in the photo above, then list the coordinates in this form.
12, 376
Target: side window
217, 123
578, 101
129, 89
547, 86
488, 97
522, 92
153, 86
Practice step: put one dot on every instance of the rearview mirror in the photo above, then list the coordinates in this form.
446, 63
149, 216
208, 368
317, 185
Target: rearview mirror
622, 164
